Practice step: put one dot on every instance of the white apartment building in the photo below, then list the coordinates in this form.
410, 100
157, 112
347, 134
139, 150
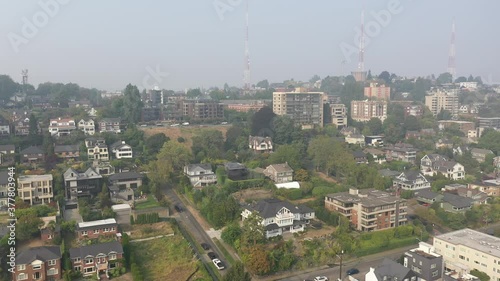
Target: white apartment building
440, 99
339, 115
466, 249
61, 126
305, 108
35, 189
88, 127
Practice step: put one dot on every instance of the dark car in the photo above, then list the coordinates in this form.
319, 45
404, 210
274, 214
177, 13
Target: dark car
352, 271
211, 255
178, 208
205, 246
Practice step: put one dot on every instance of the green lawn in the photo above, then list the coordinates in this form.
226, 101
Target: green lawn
228, 257
150, 203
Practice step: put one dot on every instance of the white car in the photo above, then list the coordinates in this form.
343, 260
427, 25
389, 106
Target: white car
185, 124
218, 264
320, 278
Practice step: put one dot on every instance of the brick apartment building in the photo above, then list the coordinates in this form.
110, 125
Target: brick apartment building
95, 229
38, 263
96, 259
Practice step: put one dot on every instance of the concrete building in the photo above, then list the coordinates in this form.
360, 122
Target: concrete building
379, 92
78, 184
466, 249
305, 108
35, 189
424, 262
440, 99
369, 209
463, 126
492, 122
200, 110
338, 113
364, 110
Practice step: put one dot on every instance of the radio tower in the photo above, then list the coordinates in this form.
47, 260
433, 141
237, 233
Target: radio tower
451, 59
246, 72
24, 73
360, 74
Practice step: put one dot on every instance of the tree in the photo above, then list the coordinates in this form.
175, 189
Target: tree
33, 125
155, 142
258, 261
237, 272
284, 130
490, 139
28, 224
132, 104
384, 75
444, 115
172, 158
261, 122
444, 78
231, 233
253, 231
208, 144
104, 200
369, 76
461, 79
217, 94
290, 153
411, 123
263, 84
314, 79
8, 87
375, 126
193, 93
301, 175
481, 275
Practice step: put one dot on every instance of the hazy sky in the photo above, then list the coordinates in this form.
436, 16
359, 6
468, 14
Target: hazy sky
107, 44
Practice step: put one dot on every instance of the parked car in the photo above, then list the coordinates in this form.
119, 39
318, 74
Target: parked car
352, 271
205, 246
185, 124
212, 255
218, 263
320, 278
223, 123
178, 208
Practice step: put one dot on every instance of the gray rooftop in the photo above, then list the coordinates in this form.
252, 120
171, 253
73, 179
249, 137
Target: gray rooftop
457, 201
473, 239
125, 176
94, 250
39, 253
367, 197
392, 271
32, 150
66, 148
268, 208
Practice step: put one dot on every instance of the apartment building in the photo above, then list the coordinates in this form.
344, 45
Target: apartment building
440, 99
338, 113
364, 110
61, 126
35, 189
379, 92
492, 122
368, 210
463, 126
4, 189
466, 249
38, 263
95, 229
303, 107
198, 110
424, 262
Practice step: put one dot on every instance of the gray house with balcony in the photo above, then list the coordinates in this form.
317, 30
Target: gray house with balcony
200, 174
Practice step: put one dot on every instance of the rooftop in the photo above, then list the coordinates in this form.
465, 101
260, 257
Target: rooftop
35, 177
367, 197
473, 239
96, 223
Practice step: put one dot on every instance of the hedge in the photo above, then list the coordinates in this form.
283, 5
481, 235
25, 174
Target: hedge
147, 218
234, 186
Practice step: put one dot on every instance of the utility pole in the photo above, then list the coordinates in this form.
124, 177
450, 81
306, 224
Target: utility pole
340, 269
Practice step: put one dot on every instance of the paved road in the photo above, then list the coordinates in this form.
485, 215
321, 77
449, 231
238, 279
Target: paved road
191, 224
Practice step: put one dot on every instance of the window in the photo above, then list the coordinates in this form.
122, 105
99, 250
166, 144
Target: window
52, 271
21, 267
96, 231
77, 268
52, 262
112, 257
84, 232
89, 269
433, 265
89, 261
435, 273
37, 266
76, 260
22, 276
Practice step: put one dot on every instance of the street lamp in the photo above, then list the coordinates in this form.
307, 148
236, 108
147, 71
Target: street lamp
340, 269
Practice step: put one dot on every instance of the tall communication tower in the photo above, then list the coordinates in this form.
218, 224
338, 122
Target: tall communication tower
246, 72
451, 58
24, 73
360, 74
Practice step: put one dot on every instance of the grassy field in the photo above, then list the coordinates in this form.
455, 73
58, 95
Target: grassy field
140, 231
150, 203
185, 132
168, 258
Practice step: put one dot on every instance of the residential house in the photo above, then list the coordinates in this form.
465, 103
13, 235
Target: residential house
126, 180
32, 155
111, 125
377, 154
466, 249
22, 127
200, 174
236, 171
35, 189
79, 103
424, 262
87, 126
96, 229
478, 197
411, 180
359, 157
38, 263
480, 154
97, 149
355, 139
71, 151
456, 204
4, 189
369, 209
490, 187
496, 162
444, 143
121, 150
7, 154
96, 259
412, 134
428, 197
61, 126
389, 173
432, 164
78, 184
279, 173
260, 144
390, 270
103, 168
346, 131
49, 230
4, 127
279, 217
401, 152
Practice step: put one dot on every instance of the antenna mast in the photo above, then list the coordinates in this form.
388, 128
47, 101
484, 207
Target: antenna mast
451, 59
246, 72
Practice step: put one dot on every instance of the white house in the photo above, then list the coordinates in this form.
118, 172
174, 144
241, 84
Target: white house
97, 149
61, 126
433, 164
200, 174
411, 180
260, 144
121, 150
88, 127
279, 217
